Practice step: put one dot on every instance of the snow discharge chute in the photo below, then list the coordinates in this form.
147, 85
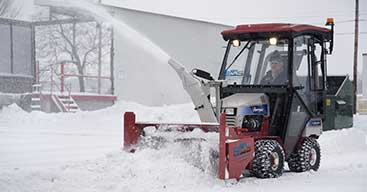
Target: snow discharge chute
194, 88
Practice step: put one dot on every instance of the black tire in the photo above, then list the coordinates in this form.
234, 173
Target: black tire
306, 157
269, 159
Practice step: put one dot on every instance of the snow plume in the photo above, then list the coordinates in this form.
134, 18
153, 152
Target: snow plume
122, 29
17, 9
25, 9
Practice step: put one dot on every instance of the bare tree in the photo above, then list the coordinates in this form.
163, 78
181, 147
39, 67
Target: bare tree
82, 46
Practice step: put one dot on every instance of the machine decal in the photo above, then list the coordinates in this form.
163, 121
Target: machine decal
313, 127
314, 123
241, 150
256, 109
253, 110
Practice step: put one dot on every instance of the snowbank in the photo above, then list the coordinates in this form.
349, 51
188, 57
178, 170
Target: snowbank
81, 152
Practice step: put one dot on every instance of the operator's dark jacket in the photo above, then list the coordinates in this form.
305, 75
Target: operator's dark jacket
269, 80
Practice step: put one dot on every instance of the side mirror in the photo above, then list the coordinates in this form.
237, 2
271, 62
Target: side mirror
202, 74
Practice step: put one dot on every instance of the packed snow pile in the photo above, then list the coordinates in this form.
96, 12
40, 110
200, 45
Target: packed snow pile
82, 152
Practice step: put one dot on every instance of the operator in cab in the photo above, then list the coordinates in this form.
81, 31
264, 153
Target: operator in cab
277, 73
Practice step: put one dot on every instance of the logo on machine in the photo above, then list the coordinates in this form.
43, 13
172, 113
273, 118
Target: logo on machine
315, 123
259, 109
253, 110
241, 149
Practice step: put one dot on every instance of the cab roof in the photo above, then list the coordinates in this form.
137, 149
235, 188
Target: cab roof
254, 31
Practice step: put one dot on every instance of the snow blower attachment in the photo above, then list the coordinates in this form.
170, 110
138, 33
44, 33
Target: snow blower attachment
269, 100
236, 151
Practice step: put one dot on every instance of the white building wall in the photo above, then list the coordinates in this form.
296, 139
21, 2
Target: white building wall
141, 77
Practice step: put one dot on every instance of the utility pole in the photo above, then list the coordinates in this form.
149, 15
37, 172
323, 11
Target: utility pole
355, 65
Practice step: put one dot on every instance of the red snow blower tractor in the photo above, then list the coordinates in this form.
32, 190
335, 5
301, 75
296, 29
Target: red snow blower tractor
268, 103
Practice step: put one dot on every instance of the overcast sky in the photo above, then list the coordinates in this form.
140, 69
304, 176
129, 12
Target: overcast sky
233, 12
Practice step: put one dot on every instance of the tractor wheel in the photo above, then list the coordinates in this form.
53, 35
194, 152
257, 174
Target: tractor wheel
269, 159
306, 157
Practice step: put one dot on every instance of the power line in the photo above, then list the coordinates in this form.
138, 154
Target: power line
351, 20
345, 20
330, 11
350, 33
305, 15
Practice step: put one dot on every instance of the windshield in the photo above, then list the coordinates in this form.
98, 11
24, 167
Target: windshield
257, 63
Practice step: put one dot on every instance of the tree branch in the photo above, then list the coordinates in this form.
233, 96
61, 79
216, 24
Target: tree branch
86, 55
74, 51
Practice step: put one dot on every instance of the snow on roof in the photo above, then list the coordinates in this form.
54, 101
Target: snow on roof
166, 12
182, 9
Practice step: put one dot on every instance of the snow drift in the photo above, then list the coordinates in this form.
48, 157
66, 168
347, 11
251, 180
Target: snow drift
82, 152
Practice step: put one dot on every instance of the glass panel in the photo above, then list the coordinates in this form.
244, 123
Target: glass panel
302, 75
22, 50
254, 63
5, 63
307, 74
300, 61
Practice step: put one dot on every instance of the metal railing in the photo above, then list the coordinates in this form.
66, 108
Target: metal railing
61, 75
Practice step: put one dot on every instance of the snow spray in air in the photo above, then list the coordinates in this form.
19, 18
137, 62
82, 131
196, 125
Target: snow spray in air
191, 85
101, 14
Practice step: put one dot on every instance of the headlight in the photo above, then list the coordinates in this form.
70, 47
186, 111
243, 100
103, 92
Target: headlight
230, 111
236, 43
273, 41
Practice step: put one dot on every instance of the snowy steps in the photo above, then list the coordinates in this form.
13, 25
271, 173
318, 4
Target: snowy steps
36, 97
68, 103
64, 103
36, 102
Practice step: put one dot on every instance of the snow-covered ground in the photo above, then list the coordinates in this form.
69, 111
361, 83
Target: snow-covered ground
82, 152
